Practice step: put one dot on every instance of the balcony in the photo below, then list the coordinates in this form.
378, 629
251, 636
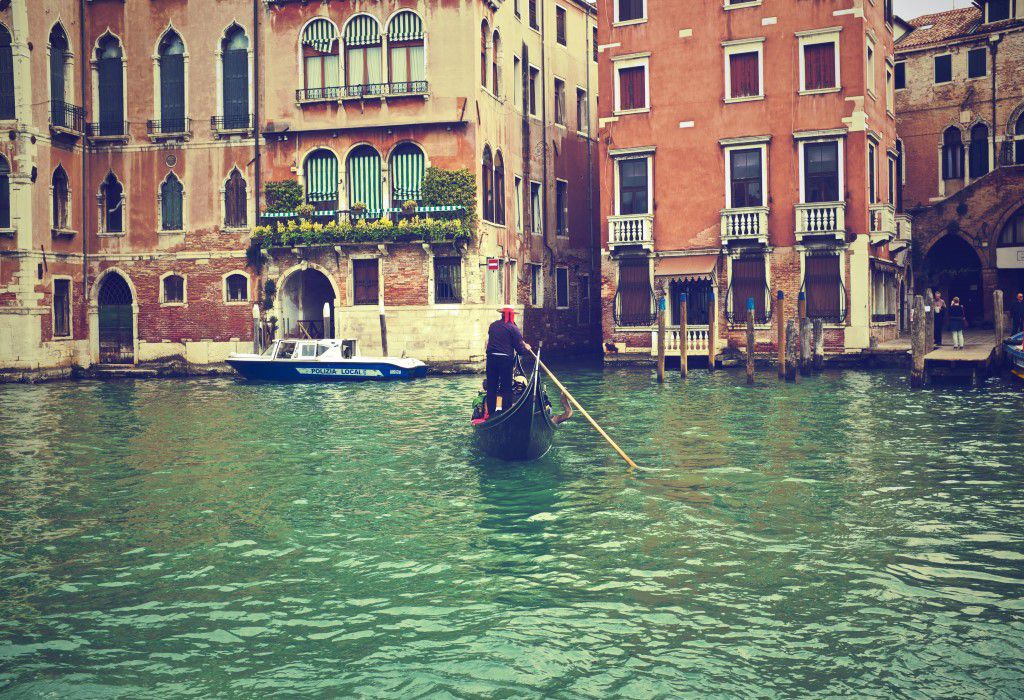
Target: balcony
631, 230
318, 94
745, 224
698, 340
176, 129
231, 125
107, 131
412, 87
904, 227
821, 219
67, 119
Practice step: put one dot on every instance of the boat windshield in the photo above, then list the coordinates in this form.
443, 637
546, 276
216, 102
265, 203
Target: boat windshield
269, 352
286, 350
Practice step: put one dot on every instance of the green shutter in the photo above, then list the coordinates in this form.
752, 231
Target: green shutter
362, 30
320, 35
405, 26
407, 167
364, 179
321, 177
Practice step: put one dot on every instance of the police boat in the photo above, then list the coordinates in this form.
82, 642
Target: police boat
322, 361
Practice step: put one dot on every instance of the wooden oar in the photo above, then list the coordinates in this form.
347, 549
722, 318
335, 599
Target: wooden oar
598, 428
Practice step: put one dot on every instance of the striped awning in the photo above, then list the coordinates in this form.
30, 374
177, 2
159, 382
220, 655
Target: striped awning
364, 178
362, 30
320, 35
321, 174
407, 167
405, 26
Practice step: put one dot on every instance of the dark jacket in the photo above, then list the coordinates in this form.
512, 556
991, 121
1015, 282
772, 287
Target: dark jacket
1017, 310
504, 339
957, 317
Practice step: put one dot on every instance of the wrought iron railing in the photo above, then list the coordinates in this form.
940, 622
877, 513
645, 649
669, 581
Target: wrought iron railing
169, 127
368, 90
635, 318
318, 94
67, 116
233, 122
107, 129
411, 87
325, 216
828, 311
762, 313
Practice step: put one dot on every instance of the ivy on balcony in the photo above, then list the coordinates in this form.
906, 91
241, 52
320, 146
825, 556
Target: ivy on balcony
294, 233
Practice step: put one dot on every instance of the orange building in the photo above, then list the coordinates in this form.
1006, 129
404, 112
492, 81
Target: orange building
749, 147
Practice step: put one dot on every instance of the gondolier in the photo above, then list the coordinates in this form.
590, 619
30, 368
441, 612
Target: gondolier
504, 340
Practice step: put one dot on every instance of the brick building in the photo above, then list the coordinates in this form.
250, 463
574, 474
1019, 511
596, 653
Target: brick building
135, 192
960, 106
750, 147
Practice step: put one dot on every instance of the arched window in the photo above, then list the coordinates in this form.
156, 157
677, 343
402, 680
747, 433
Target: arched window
1012, 234
235, 201
952, 154
321, 175
6, 75
407, 167
172, 289
495, 54
979, 150
172, 196
236, 287
235, 86
484, 36
5, 193
363, 69
499, 188
1019, 141
59, 54
110, 70
320, 60
172, 84
407, 66
111, 205
364, 179
60, 203
487, 184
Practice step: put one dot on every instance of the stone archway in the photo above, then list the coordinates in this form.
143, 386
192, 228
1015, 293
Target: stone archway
952, 266
300, 299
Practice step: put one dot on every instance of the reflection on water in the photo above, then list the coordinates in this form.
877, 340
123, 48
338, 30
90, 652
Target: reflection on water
840, 537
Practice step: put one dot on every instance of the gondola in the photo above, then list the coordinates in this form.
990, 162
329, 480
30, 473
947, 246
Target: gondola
522, 433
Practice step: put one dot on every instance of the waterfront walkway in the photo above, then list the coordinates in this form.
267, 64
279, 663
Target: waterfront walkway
971, 364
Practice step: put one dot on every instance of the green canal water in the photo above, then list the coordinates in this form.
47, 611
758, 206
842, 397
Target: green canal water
842, 537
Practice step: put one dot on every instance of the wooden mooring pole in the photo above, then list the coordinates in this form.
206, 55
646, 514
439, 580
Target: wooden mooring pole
684, 343
801, 314
383, 328
805, 345
1000, 322
792, 349
780, 327
661, 340
819, 345
712, 330
750, 341
920, 342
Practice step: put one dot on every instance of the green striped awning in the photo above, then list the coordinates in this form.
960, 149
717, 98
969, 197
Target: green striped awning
321, 173
405, 26
364, 181
407, 167
362, 30
320, 35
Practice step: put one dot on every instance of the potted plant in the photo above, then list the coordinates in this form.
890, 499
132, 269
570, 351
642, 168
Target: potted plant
305, 211
409, 207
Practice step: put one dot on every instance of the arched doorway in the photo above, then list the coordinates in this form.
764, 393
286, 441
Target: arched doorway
116, 321
953, 267
302, 298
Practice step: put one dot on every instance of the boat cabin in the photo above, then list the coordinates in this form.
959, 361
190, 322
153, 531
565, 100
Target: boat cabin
309, 350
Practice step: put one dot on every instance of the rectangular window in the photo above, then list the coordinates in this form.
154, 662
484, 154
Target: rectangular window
534, 23
748, 282
630, 10
559, 101
174, 289
61, 308
583, 310
890, 95
745, 183
536, 285
998, 10
562, 204
821, 172
632, 88
581, 111
977, 63
943, 69
744, 74
594, 44
517, 82
448, 280
534, 72
634, 297
536, 209
560, 25
870, 67
365, 291
820, 66
519, 203
891, 180
823, 288
562, 287
872, 173
900, 78
633, 186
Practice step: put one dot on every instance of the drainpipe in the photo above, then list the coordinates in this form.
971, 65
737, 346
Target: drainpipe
85, 156
544, 127
256, 102
995, 125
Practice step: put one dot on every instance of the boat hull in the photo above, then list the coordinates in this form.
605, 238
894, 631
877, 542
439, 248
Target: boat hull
350, 371
522, 434
1015, 354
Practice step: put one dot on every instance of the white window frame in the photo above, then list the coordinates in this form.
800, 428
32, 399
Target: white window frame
564, 123
646, 154
558, 232
53, 308
568, 292
534, 228
184, 289
740, 5
494, 282
841, 165
537, 284
891, 174
518, 187
872, 149
890, 87
628, 22
582, 128
533, 109
819, 36
632, 61
870, 67
730, 48
224, 287
760, 144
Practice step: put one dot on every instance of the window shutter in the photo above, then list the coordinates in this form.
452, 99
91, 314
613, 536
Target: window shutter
744, 75
322, 180
364, 282
408, 165
748, 281
171, 205
111, 86
634, 292
172, 93
236, 89
820, 66
57, 84
6, 76
822, 285
364, 179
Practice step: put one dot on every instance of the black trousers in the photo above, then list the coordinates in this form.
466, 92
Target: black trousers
499, 379
939, 320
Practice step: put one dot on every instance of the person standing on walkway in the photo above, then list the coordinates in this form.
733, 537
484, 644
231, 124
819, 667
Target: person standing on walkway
957, 323
504, 339
940, 317
1017, 314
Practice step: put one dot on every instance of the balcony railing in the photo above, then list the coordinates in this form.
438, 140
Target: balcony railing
67, 117
368, 90
697, 340
631, 230
821, 219
745, 224
107, 130
883, 220
904, 227
318, 94
736, 306
169, 128
412, 87
233, 123
339, 216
